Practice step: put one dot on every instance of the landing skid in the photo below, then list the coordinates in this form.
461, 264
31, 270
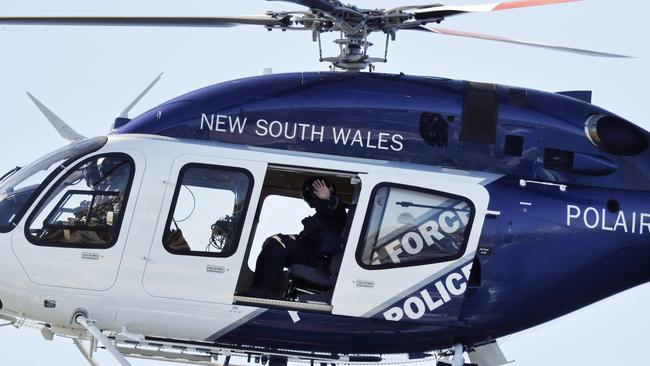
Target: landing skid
212, 355
126, 344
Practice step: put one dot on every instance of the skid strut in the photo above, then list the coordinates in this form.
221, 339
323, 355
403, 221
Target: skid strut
87, 354
457, 359
101, 338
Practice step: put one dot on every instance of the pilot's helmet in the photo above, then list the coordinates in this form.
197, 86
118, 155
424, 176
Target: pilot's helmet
307, 193
105, 166
91, 174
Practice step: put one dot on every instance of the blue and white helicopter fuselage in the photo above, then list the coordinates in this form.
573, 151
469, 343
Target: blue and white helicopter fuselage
475, 211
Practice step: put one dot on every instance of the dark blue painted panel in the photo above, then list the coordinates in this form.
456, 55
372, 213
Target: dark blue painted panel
563, 251
380, 117
549, 253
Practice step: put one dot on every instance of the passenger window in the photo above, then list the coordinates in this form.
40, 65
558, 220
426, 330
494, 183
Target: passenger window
208, 211
408, 226
86, 208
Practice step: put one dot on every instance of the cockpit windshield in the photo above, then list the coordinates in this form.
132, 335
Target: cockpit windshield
17, 191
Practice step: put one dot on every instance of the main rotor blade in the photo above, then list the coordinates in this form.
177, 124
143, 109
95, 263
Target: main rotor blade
449, 32
450, 10
327, 6
150, 21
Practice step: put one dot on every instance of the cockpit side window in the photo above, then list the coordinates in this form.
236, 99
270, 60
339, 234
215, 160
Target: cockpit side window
19, 189
85, 208
408, 226
208, 211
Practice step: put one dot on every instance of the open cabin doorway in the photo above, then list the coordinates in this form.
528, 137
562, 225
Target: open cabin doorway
281, 210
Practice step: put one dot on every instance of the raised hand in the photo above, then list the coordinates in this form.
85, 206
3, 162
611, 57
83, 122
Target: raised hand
320, 190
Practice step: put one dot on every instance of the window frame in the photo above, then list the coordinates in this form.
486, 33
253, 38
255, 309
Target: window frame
368, 214
44, 200
96, 144
72, 193
240, 225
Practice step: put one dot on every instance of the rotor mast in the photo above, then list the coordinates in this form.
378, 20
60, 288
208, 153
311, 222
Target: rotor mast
354, 26
353, 53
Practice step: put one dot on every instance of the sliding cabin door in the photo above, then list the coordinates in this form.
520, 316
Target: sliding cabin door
411, 246
205, 223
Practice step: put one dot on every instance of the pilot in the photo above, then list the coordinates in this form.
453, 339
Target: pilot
104, 176
313, 246
91, 220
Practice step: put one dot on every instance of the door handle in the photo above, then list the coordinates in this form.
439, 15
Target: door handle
523, 183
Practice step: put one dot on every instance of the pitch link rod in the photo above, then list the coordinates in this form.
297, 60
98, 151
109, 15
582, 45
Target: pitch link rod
101, 338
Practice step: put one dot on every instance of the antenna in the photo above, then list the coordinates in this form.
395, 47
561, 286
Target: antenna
123, 118
59, 125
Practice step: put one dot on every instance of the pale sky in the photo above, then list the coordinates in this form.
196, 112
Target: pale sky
88, 75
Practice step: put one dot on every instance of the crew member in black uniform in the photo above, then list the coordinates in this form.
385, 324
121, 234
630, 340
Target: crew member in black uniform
314, 246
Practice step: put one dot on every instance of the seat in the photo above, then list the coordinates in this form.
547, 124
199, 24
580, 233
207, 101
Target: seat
311, 284
313, 277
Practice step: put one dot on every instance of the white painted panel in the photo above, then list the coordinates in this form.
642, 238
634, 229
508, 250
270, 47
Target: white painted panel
102, 309
199, 278
189, 320
364, 292
70, 267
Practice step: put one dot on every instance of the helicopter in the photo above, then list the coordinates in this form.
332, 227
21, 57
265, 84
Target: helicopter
394, 146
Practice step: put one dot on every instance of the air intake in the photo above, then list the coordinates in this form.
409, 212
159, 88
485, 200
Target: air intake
615, 135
